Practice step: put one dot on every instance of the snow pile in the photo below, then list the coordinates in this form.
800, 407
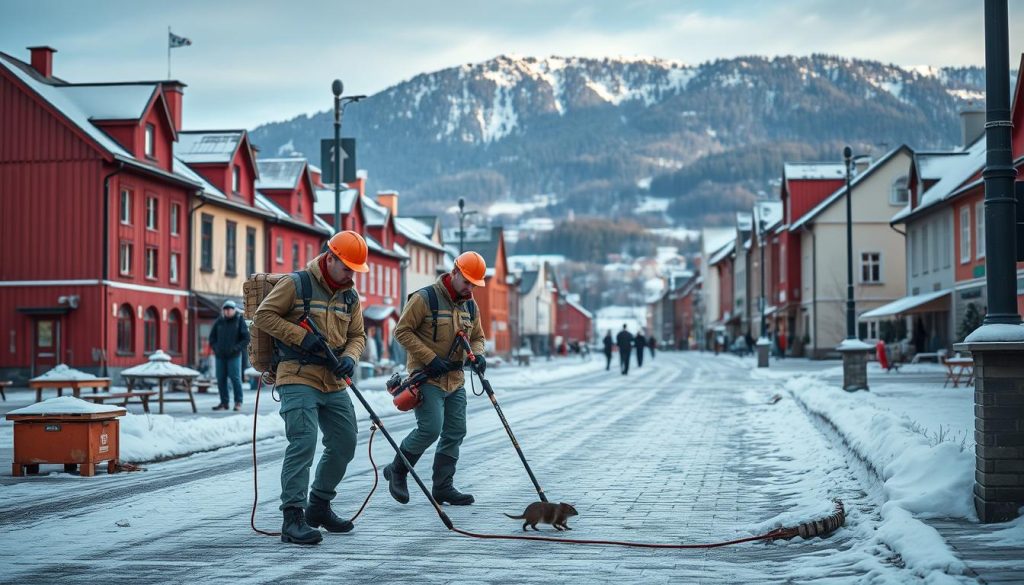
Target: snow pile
63, 373
160, 365
67, 405
148, 437
927, 478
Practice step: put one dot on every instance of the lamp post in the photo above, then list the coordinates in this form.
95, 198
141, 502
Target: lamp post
763, 345
340, 103
854, 351
462, 228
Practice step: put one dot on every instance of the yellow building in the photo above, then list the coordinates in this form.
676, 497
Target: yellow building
228, 240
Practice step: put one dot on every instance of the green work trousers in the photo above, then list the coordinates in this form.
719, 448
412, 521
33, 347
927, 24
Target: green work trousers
440, 414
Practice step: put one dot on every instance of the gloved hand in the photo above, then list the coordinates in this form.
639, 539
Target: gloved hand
311, 343
481, 363
439, 367
346, 367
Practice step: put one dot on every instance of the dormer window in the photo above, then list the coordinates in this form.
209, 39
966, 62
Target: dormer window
150, 142
236, 179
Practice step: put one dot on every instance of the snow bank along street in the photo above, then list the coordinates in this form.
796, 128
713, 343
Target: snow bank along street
690, 448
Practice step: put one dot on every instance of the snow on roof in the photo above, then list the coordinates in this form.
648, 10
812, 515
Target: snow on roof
280, 173
264, 202
744, 221
411, 229
63, 372
956, 170
900, 306
207, 147
715, 238
376, 214
861, 176
767, 212
159, 364
183, 169
400, 251
325, 200
815, 170
67, 405
722, 253
320, 222
111, 102
931, 165
579, 308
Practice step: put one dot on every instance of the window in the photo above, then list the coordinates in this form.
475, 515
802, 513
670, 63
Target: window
373, 282
151, 213
126, 207
900, 194
151, 263
125, 331
309, 252
295, 255
979, 229
174, 331
150, 145
236, 179
172, 270
175, 218
250, 250
279, 250
151, 331
924, 249
387, 282
300, 204
965, 235
206, 243
870, 267
230, 246
125, 256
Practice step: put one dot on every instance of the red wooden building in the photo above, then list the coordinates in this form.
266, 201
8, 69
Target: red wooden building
381, 287
294, 234
95, 235
494, 298
575, 324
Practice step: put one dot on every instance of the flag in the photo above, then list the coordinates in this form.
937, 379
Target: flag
174, 41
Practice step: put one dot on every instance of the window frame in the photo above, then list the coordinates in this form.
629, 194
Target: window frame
250, 250
896, 188
125, 206
173, 265
152, 213
965, 234
230, 248
206, 242
871, 264
236, 179
279, 250
149, 141
295, 255
175, 219
150, 268
979, 230
174, 328
125, 337
150, 330
123, 269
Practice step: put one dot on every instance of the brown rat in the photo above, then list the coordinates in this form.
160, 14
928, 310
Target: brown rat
548, 513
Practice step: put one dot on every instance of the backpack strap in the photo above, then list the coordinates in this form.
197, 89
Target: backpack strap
305, 288
430, 295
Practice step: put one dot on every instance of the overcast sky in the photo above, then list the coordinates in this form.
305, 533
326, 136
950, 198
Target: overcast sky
255, 61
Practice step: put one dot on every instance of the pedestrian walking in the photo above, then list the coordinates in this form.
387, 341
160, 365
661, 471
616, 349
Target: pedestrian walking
229, 337
625, 342
427, 329
608, 350
641, 345
652, 344
312, 394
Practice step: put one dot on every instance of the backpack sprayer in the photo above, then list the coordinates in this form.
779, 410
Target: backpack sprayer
819, 527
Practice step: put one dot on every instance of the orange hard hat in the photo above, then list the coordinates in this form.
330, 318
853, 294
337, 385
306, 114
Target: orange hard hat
350, 248
472, 266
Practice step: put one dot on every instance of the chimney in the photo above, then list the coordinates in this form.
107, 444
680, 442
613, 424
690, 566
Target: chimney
389, 199
174, 91
42, 60
972, 126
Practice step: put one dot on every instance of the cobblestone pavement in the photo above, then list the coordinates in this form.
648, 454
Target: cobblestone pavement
685, 449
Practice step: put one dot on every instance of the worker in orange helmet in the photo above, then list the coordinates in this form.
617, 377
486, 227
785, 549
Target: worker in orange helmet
427, 329
312, 391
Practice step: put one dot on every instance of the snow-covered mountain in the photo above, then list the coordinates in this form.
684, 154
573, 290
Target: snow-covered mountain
591, 130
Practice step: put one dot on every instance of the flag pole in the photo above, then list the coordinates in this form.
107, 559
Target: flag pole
168, 52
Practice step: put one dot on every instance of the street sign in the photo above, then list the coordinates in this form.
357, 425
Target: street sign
348, 160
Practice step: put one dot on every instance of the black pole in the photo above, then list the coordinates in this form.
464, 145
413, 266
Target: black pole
337, 88
848, 157
462, 230
760, 244
1000, 210
501, 415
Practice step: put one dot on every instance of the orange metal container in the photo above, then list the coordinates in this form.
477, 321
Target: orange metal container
81, 439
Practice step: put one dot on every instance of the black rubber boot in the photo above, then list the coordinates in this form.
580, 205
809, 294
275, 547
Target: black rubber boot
319, 514
396, 473
296, 531
443, 489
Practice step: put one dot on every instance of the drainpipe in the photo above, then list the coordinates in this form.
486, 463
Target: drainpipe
105, 270
192, 310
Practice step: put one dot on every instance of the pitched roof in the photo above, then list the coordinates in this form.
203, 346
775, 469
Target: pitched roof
198, 147
325, 201
280, 173
956, 171
111, 102
799, 171
267, 204
767, 212
376, 214
528, 280
861, 176
412, 229
722, 253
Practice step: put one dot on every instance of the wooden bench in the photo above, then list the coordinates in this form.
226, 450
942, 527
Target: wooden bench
958, 367
202, 386
4, 384
126, 398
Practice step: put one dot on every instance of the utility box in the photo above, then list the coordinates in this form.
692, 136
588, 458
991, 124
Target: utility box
61, 431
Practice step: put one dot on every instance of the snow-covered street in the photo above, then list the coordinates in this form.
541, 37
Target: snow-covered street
690, 448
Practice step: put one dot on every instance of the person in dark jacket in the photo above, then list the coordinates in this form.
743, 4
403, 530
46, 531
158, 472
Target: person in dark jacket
641, 344
228, 339
652, 344
625, 342
608, 343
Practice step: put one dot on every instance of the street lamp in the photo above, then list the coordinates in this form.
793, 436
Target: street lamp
340, 103
763, 345
462, 228
854, 351
848, 158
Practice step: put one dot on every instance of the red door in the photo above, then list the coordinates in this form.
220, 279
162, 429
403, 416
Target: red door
46, 344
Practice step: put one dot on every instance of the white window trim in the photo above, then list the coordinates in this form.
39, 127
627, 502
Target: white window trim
149, 141
175, 217
172, 269
150, 268
123, 269
881, 271
279, 250
979, 230
152, 214
125, 205
965, 234
893, 200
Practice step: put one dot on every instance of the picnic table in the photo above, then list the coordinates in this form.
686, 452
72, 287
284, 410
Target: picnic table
132, 397
957, 368
75, 386
162, 370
